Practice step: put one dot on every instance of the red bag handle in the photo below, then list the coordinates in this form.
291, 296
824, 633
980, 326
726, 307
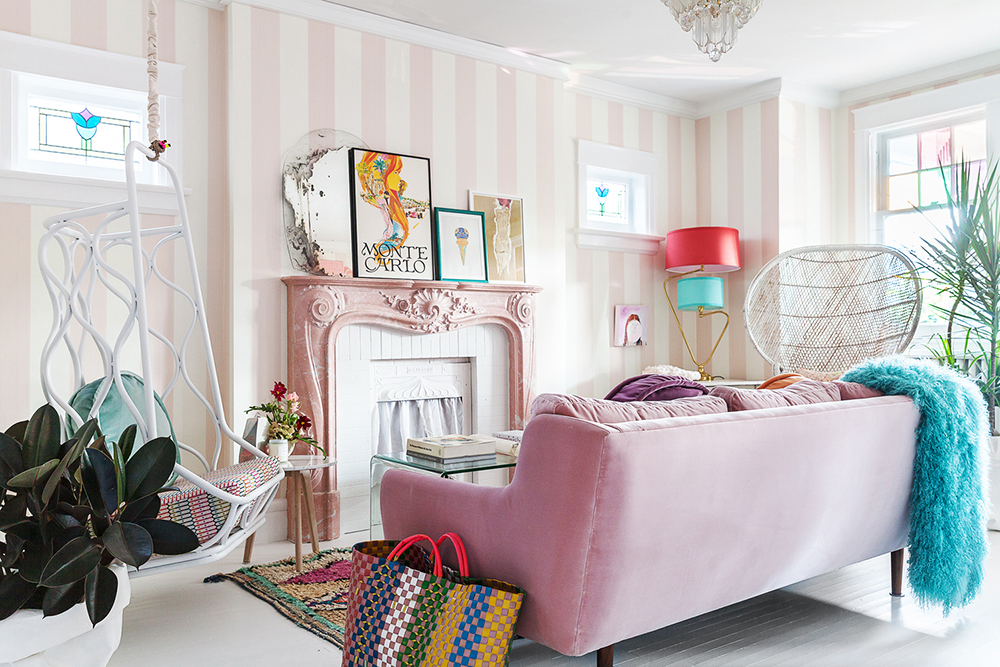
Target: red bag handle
463, 559
415, 539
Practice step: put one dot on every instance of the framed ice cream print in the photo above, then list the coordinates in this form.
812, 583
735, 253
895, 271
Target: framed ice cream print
460, 241
391, 215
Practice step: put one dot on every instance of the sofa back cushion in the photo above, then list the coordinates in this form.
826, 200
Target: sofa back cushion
803, 392
615, 412
852, 390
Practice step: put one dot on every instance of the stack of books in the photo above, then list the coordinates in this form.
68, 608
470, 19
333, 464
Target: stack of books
452, 448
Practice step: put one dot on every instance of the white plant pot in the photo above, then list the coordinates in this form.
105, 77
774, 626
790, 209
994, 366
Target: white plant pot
994, 523
278, 449
67, 640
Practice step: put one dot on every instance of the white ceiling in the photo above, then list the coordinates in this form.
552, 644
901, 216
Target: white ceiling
835, 45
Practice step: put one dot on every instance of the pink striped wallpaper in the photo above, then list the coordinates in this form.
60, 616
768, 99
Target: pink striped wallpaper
256, 81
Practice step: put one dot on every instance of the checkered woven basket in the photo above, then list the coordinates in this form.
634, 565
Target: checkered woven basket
400, 613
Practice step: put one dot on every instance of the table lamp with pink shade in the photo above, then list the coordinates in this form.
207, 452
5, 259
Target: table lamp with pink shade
701, 250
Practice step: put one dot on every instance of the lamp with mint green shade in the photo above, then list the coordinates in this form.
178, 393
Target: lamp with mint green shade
700, 292
702, 250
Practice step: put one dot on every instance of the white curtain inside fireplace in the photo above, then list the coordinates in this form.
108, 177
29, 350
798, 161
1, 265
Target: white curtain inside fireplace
399, 420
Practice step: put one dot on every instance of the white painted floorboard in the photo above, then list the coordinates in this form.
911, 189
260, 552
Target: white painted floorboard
844, 618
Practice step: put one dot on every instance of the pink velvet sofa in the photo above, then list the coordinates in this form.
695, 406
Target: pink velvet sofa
615, 530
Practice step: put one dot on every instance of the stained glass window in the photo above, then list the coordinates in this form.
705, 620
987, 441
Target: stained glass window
607, 201
912, 165
74, 132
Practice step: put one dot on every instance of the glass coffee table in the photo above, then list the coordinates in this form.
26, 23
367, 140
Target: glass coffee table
382, 462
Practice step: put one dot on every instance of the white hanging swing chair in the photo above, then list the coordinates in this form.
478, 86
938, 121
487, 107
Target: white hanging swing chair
224, 506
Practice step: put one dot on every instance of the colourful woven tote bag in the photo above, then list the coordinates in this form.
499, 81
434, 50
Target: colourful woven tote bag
414, 612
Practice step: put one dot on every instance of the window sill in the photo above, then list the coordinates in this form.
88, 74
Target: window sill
598, 239
21, 187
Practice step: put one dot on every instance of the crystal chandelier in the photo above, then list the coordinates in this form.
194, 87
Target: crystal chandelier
713, 23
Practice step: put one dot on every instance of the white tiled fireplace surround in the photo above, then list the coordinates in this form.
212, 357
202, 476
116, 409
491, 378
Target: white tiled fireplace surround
483, 347
341, 331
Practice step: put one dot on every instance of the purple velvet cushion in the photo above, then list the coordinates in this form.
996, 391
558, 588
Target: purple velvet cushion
615, 412
655, 388
802, 392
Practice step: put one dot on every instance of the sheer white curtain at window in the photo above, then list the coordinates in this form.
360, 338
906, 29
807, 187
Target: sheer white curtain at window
398, 420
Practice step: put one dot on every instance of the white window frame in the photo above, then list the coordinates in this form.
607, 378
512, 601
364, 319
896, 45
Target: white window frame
80, 70
638, 170
881, 159
934, 108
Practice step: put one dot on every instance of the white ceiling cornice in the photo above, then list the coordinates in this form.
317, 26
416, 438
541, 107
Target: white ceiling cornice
348, 17
959, 69
211, 4
757, 92
615, 92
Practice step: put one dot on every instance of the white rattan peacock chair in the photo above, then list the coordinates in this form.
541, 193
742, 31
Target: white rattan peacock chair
826, 308
98, 252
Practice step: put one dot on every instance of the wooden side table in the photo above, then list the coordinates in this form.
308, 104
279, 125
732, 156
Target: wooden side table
298, 473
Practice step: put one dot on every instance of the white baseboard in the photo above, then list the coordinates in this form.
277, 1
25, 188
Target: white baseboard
275, 528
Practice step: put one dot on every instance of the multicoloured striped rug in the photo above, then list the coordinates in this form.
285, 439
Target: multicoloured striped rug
314, 599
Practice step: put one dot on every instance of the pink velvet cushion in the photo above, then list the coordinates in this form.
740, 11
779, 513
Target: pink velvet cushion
614, 412
802, 392
852, 390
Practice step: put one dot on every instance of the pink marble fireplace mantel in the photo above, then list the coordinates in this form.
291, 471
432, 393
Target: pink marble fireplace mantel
319, 307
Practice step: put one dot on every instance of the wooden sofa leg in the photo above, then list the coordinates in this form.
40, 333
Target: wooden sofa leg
606, 656
897, 573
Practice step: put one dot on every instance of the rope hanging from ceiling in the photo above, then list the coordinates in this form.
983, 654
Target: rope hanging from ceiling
157, 145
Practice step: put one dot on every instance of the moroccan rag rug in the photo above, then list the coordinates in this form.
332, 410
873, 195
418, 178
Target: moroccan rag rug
314, 599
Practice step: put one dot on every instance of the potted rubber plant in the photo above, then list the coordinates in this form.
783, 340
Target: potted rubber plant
73, 514
964, 268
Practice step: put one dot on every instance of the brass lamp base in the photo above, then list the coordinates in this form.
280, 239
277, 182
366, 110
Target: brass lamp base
701, 313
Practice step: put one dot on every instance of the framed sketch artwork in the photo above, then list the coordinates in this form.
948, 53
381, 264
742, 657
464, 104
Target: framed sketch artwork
460, 241
504, 235
391, 215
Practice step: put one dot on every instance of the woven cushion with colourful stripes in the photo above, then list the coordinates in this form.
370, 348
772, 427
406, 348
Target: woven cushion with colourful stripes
205, 514
400, 613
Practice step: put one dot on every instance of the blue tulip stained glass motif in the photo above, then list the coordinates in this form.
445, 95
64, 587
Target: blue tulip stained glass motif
86, 126
602, 195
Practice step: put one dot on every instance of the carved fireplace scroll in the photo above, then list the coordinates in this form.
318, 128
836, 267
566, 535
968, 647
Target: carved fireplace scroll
320, 307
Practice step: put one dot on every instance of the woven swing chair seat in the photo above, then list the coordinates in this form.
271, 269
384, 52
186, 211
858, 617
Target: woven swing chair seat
826, 308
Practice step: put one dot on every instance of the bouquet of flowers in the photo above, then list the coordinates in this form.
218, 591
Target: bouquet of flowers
284, 421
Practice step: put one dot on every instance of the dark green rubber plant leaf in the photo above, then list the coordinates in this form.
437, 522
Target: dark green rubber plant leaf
99, 480
33, 561
14, 510
61, 598
14, 592
169, 538
15, 547
127, 441
33, 477
64, 463
144, 508
101, 591
129, 542
71, 563
149, 468
26, 530
10, 453
17, 430
41, 438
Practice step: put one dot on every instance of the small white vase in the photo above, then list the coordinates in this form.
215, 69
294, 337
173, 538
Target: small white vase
278, 449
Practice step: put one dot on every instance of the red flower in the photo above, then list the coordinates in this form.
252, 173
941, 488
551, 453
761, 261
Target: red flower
303, 423
279, 391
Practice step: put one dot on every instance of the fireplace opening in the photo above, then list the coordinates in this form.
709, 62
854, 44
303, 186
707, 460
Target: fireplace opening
415, 398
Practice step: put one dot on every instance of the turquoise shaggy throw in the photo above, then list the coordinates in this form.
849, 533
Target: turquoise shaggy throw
948, 504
